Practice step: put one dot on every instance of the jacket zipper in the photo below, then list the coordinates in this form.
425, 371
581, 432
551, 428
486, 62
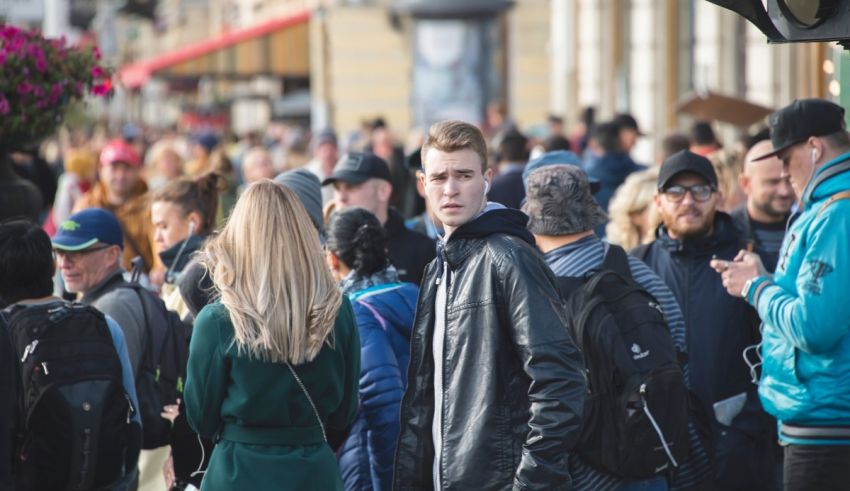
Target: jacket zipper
441, 463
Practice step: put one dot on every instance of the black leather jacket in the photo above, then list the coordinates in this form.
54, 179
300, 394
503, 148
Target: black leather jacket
513, 383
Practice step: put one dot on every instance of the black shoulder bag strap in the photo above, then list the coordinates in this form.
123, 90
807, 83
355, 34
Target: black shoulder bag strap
617, 261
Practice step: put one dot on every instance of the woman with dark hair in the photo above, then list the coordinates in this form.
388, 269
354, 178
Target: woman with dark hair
183, 213
384, 308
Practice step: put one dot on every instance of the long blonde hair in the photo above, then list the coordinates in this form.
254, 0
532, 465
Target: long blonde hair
268, 265
635, 195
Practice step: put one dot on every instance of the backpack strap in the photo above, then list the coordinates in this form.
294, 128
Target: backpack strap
617, 261
154, 339
138, 263
569, 284
832, 199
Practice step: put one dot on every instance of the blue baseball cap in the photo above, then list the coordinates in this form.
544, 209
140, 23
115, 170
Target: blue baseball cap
557, 157
86, 228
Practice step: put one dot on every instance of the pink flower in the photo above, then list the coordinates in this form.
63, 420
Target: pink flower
41, 104
55, 93
4, 105
41, 65
24, 88
35, 51
8, 32
102, 88
98, 72
38, 91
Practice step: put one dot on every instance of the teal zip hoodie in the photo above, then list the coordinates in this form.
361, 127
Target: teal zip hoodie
806, 313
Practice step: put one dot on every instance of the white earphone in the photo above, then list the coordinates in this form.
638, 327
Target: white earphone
191, 227
486, 187
814, 155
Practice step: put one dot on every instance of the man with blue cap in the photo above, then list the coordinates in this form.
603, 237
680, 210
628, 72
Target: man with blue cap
88, 247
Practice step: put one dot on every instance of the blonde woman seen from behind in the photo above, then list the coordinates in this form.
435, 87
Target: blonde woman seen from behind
274, 363
632, 214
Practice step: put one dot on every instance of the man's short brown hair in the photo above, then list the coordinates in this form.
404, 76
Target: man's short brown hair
452, 136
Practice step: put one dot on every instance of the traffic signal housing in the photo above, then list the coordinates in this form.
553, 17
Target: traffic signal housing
794, 21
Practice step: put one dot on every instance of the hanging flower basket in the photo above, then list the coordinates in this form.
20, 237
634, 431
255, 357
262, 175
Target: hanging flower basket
40, 78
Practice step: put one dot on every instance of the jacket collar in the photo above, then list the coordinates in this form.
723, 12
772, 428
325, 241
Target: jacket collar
818, 188
174, 259
724, 232
354, 283
568, 249
493, 221
111, 280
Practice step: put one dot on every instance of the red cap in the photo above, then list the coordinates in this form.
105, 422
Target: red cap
120, 151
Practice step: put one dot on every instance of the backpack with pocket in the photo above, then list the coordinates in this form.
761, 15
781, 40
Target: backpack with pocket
162, 370
74, 414
636, 413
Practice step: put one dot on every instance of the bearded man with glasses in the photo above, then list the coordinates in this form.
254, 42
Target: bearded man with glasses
719, 327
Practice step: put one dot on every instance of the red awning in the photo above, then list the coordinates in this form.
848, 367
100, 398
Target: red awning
201, 55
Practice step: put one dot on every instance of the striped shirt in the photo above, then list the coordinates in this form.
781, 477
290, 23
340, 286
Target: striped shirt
585, 256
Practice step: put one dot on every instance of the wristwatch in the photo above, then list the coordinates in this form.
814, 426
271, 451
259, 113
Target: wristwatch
745, 292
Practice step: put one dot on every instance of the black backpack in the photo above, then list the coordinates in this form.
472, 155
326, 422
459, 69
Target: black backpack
74, 429
162, 370
636, 414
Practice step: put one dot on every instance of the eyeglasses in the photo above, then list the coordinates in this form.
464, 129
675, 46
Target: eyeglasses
77, 255
700, 192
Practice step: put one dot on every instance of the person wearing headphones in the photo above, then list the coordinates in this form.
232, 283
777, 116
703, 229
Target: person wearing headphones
183, 213
806, 319
489, 354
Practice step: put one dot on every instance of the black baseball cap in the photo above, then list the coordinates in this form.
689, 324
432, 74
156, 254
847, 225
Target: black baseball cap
802, 119
686, 161
356, 168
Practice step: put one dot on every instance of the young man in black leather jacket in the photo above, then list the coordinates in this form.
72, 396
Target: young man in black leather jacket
495, 386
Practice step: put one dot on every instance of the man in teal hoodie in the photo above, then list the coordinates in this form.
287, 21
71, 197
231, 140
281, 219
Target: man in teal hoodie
805, 379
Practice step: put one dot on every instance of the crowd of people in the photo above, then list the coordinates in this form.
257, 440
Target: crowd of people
472, 310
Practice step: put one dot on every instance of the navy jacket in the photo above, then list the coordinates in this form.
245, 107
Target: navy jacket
718, 326
508, 189
384, 316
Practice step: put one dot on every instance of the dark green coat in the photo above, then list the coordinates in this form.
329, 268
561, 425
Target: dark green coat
269, 436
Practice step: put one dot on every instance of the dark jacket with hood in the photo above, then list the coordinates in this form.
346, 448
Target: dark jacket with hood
719, 327
512, 380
